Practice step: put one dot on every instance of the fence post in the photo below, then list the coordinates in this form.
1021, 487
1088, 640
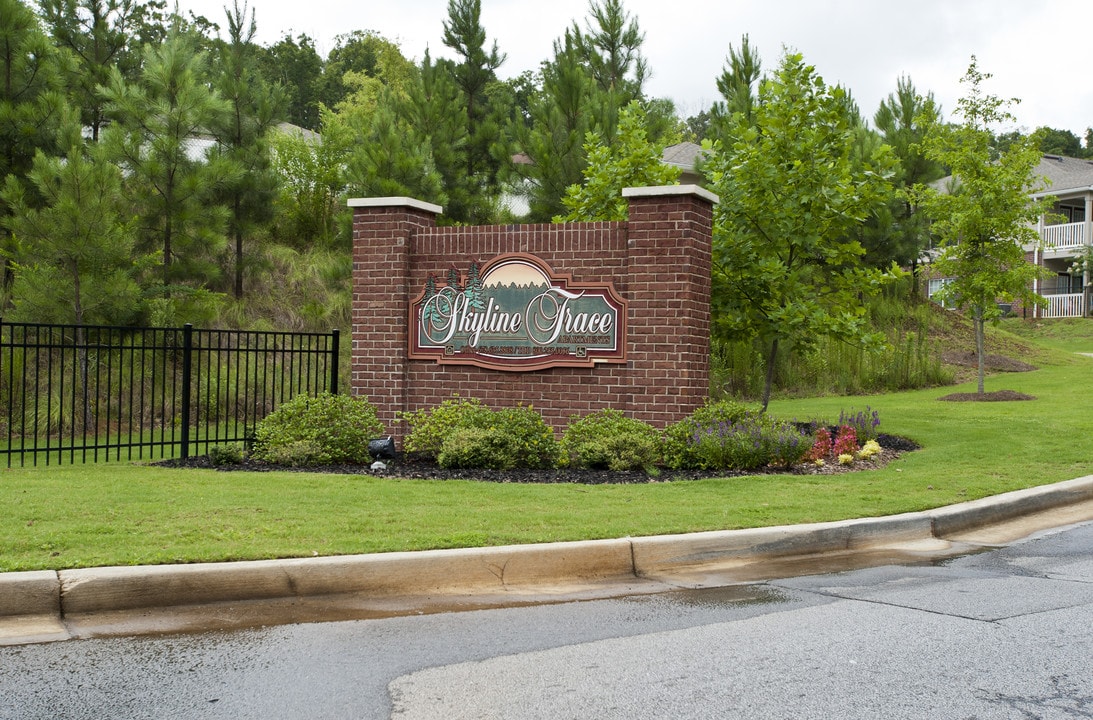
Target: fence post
187, 348
334, 343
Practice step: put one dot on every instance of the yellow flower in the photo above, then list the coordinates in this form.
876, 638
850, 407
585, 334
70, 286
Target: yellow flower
869, 450
846, 459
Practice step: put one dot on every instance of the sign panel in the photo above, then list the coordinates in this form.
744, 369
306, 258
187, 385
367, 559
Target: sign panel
514, 313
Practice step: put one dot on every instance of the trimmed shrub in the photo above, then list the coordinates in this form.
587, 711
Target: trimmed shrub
608, 440
465, 433
226, 454
533, 441
429, 428
474, 447
318, 430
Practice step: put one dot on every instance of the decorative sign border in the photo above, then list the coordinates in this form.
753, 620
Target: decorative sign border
514, 313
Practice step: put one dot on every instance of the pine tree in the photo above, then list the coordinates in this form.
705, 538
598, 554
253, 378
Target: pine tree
100, 34
30, 107
254, 107
475, 72
76, 243
164, 114
392, 159
902, 119
610, 47
737, 84
552, 138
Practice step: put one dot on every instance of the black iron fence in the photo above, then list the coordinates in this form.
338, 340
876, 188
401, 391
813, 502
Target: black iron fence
81, 393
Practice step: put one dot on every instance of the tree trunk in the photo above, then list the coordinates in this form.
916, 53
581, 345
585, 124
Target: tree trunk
167, 257
770, 373
238, 265
238, 248
978, 320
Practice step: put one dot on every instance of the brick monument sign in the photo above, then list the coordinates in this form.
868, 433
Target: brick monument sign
569, 318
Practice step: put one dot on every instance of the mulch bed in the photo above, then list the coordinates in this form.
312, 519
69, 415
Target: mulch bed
991, 363
995, 396
409, 466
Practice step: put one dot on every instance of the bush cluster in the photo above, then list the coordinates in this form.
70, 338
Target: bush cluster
464, 433
750, 442
317, 431
682, 446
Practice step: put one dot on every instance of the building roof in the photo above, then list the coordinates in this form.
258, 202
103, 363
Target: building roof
287, 128
1065, 173
682, 155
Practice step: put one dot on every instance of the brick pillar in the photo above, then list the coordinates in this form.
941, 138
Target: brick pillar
668, 260
383, 235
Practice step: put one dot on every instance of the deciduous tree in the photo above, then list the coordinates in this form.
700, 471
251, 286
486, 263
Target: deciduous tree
633, 161
295, 64
786, 266
987, 218
312, 173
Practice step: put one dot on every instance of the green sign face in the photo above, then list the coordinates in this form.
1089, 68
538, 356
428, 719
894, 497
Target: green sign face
513, 313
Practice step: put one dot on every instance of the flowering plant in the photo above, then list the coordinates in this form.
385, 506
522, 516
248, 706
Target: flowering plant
865, 422
869, 450
821, 448
846, 442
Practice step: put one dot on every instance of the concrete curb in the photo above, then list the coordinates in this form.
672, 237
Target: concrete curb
948, 521
500, 569
434, 572
663, 554
30, 593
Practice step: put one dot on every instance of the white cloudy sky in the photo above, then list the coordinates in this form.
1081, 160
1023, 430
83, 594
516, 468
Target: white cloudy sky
1037, 50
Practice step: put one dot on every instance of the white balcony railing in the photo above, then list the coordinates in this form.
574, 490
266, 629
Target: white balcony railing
1062, 306
1064, 237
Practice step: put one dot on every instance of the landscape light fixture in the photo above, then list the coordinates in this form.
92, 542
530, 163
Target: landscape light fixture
382, 448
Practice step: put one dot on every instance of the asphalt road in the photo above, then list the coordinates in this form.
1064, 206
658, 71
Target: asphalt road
1001, 634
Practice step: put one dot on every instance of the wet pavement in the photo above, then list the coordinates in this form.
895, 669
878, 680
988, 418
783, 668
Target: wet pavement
998, 634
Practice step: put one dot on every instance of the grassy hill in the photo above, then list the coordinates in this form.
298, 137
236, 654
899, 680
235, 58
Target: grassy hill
928, 346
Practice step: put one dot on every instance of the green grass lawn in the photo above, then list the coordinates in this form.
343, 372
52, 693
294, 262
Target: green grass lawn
123, 514
1067, 334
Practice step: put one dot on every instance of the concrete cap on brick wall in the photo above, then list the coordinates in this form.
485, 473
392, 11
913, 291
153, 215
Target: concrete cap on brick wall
662, 190
395, 202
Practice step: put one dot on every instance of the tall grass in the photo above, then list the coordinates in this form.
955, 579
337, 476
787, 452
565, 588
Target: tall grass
911, 359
